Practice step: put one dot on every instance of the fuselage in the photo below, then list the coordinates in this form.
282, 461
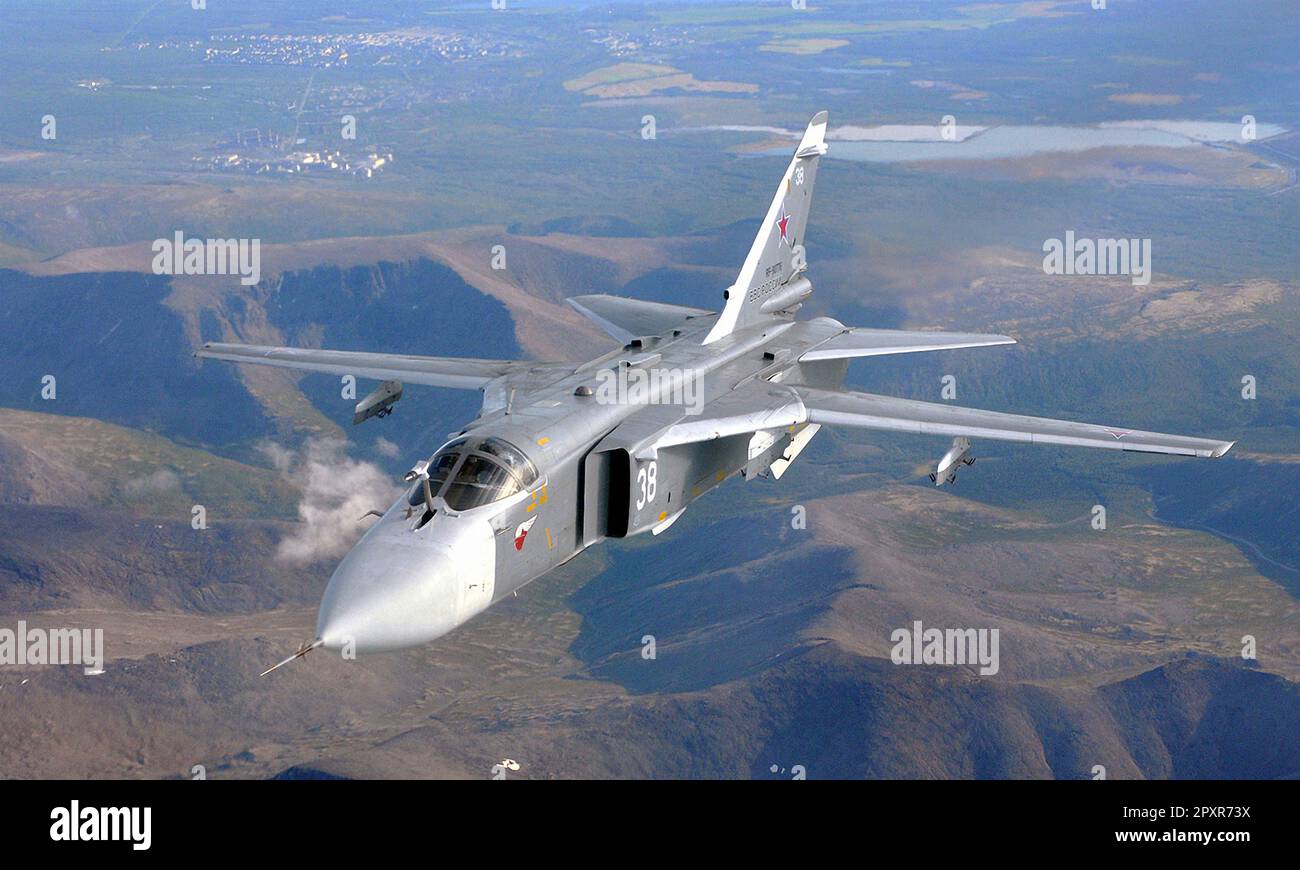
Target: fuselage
444, 551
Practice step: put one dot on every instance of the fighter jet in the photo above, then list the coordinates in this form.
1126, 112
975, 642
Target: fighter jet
563, 456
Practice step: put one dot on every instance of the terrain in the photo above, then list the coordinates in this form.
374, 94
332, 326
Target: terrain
755, 623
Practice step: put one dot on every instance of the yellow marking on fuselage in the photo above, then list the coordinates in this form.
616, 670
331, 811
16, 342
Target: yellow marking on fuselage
539, 497
663, 515
543, 441
550, 545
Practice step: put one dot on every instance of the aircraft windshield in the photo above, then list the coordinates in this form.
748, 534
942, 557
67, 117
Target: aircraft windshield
511, 458
479, 481
484, 471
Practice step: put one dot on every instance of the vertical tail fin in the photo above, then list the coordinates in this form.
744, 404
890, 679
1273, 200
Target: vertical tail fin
777, 255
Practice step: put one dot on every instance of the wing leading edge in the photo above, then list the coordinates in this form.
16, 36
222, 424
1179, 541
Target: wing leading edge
780, 405
859, 342
868, 411
434, 371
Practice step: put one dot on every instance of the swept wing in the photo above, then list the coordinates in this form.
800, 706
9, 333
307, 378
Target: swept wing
779, 405
434, 371
868, 411
858, 342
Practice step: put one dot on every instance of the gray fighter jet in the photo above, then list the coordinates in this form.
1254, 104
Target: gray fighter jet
562, 457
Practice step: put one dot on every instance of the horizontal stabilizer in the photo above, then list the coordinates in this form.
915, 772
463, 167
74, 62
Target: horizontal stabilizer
625, 319
880, 342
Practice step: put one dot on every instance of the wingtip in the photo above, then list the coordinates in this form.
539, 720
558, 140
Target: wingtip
1222, 449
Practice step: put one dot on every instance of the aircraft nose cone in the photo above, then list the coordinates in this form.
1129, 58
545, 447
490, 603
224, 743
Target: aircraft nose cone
388, 597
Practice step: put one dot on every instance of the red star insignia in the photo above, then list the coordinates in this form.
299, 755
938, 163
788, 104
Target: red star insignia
782, 223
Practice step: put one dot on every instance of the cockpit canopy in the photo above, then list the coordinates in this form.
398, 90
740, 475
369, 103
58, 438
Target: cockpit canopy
469, 472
